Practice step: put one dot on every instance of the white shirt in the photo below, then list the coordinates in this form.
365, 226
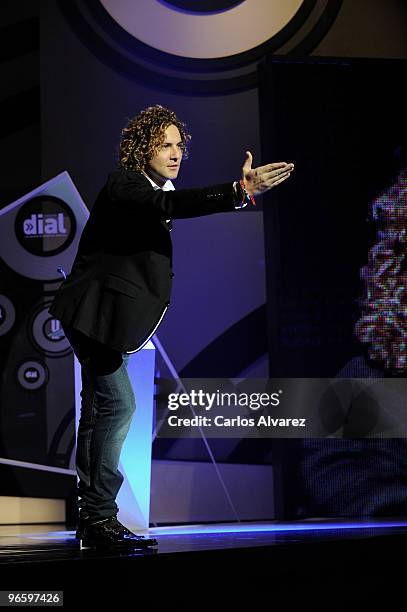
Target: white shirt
168, 186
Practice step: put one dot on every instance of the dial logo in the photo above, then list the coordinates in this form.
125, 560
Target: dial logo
45, 226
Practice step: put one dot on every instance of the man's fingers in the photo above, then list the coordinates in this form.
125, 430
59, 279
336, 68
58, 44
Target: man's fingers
266, 177
276, 173
282, 178
276, 180
272, 177
275, 166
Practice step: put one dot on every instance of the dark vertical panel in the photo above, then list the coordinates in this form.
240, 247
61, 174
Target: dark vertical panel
341, 124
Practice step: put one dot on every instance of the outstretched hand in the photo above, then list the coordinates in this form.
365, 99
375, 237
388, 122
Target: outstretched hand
261, 179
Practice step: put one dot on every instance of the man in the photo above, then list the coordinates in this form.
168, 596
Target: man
118, 291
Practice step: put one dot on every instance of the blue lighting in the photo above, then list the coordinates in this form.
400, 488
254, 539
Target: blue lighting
270, 528
238, 528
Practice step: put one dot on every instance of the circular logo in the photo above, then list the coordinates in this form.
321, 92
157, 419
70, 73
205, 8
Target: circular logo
47, 332
32, 375
45, 226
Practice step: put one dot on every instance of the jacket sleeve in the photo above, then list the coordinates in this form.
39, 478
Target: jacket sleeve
133, 192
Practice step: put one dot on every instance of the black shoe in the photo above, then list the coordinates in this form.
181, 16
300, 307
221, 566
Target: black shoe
124, 531
83, 520
109, 533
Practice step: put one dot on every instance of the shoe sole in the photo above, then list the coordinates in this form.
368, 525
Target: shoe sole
79, 535
89, 544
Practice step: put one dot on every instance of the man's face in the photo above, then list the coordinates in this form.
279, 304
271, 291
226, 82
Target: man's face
167, 161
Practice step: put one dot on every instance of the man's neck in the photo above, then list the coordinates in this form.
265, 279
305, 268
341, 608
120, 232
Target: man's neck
157, 178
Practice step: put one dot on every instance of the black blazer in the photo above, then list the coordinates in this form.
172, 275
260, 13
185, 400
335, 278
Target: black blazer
119, 286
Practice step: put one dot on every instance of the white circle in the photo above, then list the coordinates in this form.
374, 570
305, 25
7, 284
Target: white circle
204, 36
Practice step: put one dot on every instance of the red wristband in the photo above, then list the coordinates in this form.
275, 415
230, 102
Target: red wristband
247, 192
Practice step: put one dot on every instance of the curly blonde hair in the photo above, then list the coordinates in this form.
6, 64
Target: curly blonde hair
144, 134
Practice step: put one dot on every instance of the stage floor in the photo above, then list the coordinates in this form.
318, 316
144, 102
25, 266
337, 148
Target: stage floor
48, 542
312, 564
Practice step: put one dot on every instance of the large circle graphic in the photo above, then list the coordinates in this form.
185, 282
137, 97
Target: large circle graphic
203, 36
198, 47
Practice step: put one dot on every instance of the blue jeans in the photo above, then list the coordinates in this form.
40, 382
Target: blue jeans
107, 408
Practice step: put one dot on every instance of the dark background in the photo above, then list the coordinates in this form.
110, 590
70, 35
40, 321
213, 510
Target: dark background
343, 124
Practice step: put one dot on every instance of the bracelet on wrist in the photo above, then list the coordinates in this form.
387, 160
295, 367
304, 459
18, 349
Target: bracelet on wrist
240, 195
248, 196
